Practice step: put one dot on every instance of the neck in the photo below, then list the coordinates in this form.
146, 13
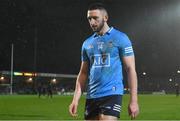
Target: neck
104, 29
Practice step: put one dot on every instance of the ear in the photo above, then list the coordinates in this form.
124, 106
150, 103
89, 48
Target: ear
105, 18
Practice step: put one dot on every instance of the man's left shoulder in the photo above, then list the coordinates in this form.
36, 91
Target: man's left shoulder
120, 33
120, 36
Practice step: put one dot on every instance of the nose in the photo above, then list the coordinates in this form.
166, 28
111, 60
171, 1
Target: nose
92, 22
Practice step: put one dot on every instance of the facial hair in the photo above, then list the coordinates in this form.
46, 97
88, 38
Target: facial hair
98, 28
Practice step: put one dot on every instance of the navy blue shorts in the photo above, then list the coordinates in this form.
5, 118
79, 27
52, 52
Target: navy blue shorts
108, 105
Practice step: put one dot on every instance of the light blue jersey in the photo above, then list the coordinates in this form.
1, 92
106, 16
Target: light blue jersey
104, 53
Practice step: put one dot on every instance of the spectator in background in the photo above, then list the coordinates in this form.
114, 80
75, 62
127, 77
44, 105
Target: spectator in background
177, 89
39, 90
62, 91
49, 90
44, 89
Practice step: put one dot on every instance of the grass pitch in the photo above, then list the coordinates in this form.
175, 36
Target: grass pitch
30, 107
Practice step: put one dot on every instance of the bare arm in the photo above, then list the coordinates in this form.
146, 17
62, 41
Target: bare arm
80, 84
129, 63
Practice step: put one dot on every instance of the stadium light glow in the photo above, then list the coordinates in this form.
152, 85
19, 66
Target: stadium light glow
170, 80
18, 74
30, 80
144, 73
2, 78
28, 74
35, 74
54, 80
178, 71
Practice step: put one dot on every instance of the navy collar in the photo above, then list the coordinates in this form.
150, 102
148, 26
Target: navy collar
108, 32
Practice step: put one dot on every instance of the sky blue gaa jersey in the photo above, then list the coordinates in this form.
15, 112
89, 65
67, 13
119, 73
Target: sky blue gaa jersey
104, 54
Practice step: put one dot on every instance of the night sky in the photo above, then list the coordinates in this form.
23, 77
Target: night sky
48, 34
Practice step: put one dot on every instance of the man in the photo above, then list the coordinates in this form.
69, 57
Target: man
39, 89
177, 89
102, 57
49, 90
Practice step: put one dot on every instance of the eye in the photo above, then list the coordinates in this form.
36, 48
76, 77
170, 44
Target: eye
89, 18
93, 17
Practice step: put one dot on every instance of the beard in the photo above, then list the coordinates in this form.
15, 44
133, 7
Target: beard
99, 27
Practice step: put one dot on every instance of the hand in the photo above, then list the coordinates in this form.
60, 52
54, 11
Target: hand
133, 110
73, 109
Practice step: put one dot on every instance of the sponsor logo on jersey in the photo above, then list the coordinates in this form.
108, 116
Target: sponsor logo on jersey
101, 60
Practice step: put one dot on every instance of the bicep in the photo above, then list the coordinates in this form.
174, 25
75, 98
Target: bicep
84, 68
83, 73
129, 62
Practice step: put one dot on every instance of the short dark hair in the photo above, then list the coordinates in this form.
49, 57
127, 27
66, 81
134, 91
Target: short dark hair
98, 6
95, 6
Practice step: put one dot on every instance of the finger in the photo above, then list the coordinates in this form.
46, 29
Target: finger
129, 111
74, 111
136, 113
132, 116
70, 110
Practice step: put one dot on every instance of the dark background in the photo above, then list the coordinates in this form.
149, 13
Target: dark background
48, 34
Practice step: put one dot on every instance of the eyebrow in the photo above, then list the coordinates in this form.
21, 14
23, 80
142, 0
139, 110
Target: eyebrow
89, 17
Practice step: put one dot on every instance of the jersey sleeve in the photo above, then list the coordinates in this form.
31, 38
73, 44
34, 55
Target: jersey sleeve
125, 46
84, 56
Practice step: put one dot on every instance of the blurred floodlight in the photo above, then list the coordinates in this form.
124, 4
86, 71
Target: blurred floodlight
54, 80
144, 73
2, 78
170, 80
18, 74
30, 80
28, 74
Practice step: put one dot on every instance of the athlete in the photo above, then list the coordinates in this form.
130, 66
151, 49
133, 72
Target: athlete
103, 55
177, 89
49, 90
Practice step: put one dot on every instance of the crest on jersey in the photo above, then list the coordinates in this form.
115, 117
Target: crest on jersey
110, 44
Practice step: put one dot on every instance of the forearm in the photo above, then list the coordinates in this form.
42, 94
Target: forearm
80, 84
132, 82
133, 108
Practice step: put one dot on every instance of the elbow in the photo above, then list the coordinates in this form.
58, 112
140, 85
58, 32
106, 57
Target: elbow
130, 69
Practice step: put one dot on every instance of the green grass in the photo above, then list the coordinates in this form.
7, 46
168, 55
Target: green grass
30, 107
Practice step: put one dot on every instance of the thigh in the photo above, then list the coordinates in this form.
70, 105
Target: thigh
93, 118
110, 107
107, 117
91, 110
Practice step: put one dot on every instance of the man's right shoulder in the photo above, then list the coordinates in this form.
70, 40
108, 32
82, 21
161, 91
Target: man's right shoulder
88, 39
